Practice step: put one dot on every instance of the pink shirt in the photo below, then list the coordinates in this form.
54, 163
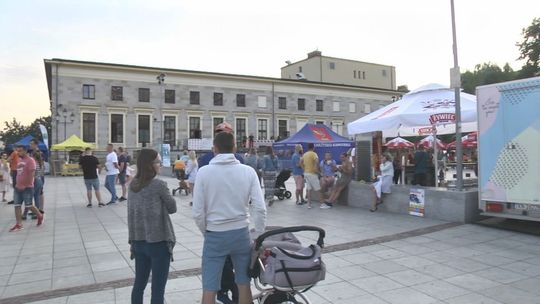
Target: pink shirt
25, 172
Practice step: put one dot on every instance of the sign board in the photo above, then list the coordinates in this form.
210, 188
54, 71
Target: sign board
416, 202
165, 155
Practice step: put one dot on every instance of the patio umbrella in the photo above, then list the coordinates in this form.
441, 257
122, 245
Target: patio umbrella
427, 142
467, 141
399, 143
417, 112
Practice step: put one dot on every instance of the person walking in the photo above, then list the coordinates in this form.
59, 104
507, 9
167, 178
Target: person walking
298, 174
39, 178
151, 234
122, 168
254, 162
421, 159
24, 191
111, 165
192, 167
4, 176
90, 166
269, 175
310, 164
221, 211
13, 160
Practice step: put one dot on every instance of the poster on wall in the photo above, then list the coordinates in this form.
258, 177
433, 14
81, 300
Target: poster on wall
416, 202
166, 155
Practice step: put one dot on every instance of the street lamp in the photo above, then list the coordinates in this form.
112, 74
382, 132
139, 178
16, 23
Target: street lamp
161, 81
63, 117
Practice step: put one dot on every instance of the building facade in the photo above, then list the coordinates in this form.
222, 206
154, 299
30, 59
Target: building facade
129, 106
319, 68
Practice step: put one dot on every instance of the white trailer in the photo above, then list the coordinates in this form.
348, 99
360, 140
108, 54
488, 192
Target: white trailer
509, 149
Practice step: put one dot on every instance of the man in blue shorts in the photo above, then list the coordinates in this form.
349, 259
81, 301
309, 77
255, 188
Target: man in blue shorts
220, 210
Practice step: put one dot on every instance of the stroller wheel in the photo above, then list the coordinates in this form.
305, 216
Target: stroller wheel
281, 197
288, 194
173, 191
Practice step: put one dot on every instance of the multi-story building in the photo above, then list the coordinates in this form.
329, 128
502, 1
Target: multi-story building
319, 68
132, 106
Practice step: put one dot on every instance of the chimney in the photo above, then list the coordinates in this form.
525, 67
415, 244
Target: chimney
315, 53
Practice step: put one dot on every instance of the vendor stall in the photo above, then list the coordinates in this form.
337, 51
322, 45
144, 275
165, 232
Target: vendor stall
70, 166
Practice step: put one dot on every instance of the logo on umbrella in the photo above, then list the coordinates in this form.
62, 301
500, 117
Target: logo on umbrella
442, 117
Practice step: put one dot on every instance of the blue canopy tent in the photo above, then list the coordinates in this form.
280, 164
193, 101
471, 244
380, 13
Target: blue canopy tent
25, 141
324, 138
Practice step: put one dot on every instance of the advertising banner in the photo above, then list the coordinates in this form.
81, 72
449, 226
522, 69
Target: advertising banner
416, 202
166, 155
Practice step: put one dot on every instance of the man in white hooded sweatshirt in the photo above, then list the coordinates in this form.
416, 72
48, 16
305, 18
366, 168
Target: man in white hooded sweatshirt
223, 190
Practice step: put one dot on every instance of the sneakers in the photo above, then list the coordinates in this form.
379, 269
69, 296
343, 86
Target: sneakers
16, 228
111, 202
101, 204
11, 202
223, 298
89, 205
40, 219
326, 206
121, 199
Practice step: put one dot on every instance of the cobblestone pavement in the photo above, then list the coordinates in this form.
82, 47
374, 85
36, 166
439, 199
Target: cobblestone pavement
81, 255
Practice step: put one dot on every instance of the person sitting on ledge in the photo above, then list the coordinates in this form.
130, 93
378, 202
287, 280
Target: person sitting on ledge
346, 171
384, 181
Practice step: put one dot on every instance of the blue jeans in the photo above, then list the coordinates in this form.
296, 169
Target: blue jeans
153, 257
38, 189
109, 185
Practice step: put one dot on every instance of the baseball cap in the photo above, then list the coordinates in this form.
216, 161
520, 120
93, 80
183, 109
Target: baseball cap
224, 127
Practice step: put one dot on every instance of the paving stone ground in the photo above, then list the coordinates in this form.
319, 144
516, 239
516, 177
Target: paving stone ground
79, 247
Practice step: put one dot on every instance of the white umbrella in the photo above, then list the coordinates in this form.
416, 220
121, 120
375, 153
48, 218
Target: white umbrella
399, 143
417, 112
427, 142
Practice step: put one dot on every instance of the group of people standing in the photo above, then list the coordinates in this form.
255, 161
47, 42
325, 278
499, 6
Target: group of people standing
319, 176
25, 170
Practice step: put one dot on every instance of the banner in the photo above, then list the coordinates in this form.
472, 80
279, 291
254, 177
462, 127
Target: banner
416, 202
165, 155
45, 135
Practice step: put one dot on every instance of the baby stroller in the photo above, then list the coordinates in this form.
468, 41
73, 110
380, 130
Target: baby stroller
281, 191
283, 269
182, 184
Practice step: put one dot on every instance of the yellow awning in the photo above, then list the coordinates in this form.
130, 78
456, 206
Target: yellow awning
72, 143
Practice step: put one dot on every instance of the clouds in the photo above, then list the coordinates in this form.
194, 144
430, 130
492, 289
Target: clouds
252, 37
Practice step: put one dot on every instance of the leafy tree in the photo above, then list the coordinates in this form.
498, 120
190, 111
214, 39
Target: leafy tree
485, 73
529, 49
15, 130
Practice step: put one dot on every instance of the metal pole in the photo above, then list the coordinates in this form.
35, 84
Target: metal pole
457, 84
273, 114
435, 156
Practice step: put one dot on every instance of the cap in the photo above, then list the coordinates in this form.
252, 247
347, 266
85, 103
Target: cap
224, 127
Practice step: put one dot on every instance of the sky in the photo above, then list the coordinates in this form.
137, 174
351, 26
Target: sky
249, 37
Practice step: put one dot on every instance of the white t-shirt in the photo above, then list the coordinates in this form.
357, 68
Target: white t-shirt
353, 154
109, 164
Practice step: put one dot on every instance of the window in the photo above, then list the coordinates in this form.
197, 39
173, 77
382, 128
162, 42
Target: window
218, 99
354, 72
117, 128
169, 130
89, 127
89, 91
144, 95
195, 127
241, 131
261, 101
384, 73
283, 128
194, 97
240, 100
319, 122
335, 106
301, 104
169, 96
117, 93
319, 105
332, 65
367, 108
216, 121
363, 75
262, 129
282, 103
143, 129
352, 107
299, 69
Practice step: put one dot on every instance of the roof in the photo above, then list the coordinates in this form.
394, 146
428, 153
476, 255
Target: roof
318, 134
49, 73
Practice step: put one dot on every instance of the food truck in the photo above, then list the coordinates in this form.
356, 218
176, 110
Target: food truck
509, 149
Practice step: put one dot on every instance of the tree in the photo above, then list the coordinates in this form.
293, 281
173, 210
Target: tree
529, 49
15, 130
485, 73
